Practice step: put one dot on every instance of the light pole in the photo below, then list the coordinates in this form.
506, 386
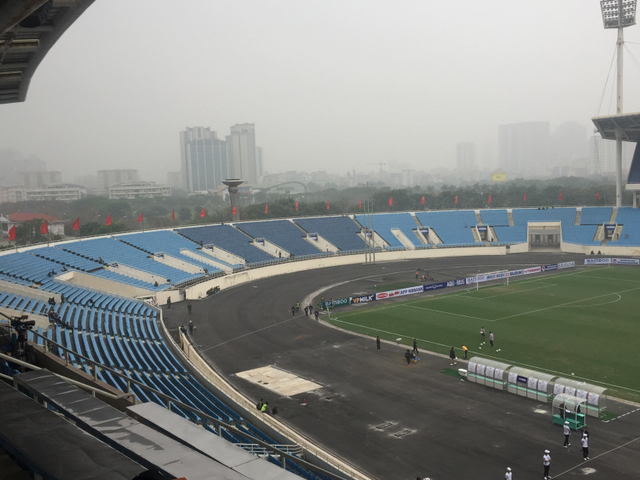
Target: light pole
618, 14
233, 184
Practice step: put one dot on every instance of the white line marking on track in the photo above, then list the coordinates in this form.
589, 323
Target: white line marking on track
597, 456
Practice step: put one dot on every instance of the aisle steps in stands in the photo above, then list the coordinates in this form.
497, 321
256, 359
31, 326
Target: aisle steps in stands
479, 217
208, 261
578, 216
177, 263
614, 213
510, 215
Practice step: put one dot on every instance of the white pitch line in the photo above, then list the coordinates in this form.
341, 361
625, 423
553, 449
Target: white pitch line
609, 278
597, 304
503, 294
597, 456
563, 304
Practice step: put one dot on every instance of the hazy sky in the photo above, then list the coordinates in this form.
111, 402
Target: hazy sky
329, 84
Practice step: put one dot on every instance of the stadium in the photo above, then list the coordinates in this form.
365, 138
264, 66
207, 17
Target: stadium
150, 350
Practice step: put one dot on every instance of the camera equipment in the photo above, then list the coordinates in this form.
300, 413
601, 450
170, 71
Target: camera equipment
20, 324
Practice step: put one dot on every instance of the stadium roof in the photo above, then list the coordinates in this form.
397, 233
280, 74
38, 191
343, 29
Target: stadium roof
28, 30
629, 123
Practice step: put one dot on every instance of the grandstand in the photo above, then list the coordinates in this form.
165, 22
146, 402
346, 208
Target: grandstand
227, 238
342, 232
384, 224
282, 233
453, 227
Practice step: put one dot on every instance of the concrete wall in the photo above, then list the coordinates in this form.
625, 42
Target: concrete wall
27, 291
208, 259
102, 284
223, 255
177, 263
322, 244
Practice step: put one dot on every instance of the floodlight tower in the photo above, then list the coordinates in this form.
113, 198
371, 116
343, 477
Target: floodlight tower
619, 14
233, 184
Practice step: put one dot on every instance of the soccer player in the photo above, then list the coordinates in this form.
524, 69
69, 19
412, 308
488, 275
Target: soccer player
452, 356
482, 334
491, 338
508, 475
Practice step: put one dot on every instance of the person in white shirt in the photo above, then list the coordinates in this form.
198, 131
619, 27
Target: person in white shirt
567, 434
508, 475
585, 446
546, 462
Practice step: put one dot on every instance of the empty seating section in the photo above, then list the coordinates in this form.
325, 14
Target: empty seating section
340, 231
227, 238
495, 217
67, 259
595, 215
134, 282
384, 222
164, 241
525, 215
630, 219
114, 251
27, 267
580, 234
282, 233
453, 228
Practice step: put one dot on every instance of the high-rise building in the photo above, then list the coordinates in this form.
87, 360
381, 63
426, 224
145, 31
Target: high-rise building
241, 147
40, 179
569, 142
204, 163
107, 178
465, 156
259, 163
602, 156
524, 146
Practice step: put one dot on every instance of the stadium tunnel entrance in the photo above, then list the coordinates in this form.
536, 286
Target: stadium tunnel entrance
544, 235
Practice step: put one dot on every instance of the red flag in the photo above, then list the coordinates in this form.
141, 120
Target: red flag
391, 201
489, 201
234, 210
524, 197
456, 200
327, 205
359, 203
173, 215
12, 233
296, 206
203, 213
422, 201
266, 208
140, 218
108, 222
76, 224
598, 196
44, 228
560, 197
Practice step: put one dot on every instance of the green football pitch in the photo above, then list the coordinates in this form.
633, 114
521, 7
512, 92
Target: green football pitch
584, 322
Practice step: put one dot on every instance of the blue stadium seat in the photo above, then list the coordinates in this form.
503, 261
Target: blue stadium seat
383, 223
282, 233
453, 227
340, 231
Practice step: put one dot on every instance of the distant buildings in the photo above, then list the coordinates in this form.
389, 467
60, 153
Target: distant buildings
131, 190
523, 147
466, 156
203, 159
242, 153
55, 226
602, 156
107, 178
206, 160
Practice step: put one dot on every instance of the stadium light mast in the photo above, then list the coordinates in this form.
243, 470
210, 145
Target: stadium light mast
618, 14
